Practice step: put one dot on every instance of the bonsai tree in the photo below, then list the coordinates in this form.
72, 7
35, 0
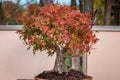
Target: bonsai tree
58, 29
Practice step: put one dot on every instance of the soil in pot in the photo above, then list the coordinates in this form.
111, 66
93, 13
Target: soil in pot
70, 75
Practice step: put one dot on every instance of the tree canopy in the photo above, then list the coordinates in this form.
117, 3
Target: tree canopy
59, 26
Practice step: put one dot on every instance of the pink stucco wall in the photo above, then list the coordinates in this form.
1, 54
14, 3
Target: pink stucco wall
104, 61
17, 63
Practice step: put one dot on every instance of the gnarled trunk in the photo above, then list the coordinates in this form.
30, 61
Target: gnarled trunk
60, 65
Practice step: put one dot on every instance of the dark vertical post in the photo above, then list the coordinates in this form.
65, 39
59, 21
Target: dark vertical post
116, 12
1, 13
73, 4
81, 5
107, 12
88, 8
45, 2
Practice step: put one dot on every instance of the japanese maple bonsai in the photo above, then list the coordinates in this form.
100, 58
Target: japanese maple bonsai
58, 29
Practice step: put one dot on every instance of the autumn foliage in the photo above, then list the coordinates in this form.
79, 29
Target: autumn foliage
57, 25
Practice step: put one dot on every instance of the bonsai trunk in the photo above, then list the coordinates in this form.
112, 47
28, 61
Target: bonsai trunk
60, 65
76, 60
